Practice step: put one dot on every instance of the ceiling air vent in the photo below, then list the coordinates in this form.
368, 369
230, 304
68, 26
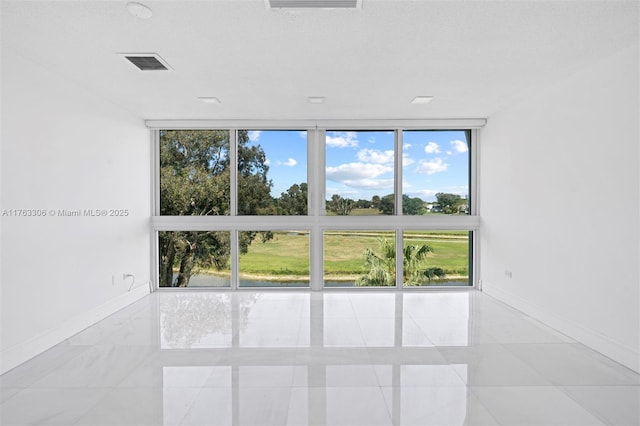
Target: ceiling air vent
147, 61
314, 4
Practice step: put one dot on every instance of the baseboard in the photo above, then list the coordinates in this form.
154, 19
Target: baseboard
18, 354
618, 351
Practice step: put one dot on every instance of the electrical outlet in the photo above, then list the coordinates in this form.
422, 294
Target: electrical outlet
119, 279
508, 273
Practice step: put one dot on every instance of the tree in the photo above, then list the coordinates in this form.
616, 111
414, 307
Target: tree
375, 201
340, 206
382, 266
415, 270
363, 204
387, 204
195, 181
294, 201
449, 203
254, 189
412, 206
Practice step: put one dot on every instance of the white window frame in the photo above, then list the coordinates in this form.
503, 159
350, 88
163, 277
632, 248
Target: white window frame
317, 221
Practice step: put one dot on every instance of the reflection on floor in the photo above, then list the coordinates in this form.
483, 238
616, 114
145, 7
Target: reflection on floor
333, 358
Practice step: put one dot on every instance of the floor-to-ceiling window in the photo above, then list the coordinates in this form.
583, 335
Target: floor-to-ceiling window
315, 206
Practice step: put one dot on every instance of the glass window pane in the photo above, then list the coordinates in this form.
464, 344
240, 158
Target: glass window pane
435, 176
274, 258
194, 172
194, 258
359, 258
436, 258
359, 172
272, 172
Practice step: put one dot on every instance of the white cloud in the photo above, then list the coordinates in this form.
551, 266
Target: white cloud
376, 156
267, 162
289, 163
342, 139
360, 175
462, 191
370, 183
342, 192
425, 194
356, 171
303, 134
406, 160
432, 148
449, 152
432, 166
254, 135
406, 146
459, 146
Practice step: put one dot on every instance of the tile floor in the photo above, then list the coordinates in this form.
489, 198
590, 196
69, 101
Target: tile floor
333, 358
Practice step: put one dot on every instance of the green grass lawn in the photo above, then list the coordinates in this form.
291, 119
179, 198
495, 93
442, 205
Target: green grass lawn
287, 254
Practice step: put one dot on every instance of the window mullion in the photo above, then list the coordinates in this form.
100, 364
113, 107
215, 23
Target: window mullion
233, 208
155, 207
233, 171
398, 209
398, 172
399, 259
316, 170
474, 158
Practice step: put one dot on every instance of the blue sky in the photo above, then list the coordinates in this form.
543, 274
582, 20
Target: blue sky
435, 161
286, 156
360, 164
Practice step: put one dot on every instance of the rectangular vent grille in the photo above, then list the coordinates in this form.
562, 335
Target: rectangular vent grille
315, 4
147, 61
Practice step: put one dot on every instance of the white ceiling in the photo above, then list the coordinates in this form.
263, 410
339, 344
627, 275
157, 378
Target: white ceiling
473, 56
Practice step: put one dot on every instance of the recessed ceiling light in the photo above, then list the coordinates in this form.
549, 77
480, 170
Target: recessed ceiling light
316, 99
422, 99
139, 10
210, 100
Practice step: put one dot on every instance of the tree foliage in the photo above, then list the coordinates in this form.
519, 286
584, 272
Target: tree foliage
340, 206
375, 201
381, 265
410, 206
294, 201
363, 204
387, 204
195, 181
413, 205
449, 203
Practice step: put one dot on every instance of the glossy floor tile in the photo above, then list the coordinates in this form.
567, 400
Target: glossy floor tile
333, 358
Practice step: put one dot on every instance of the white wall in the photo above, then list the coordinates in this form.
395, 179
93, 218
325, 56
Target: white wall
560, 206
64, 148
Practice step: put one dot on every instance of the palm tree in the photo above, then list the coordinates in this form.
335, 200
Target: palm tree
382, 267
414, 270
